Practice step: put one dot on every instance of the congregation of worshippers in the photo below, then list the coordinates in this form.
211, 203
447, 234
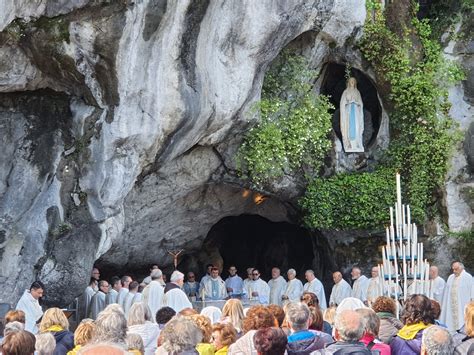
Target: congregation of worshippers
232, 315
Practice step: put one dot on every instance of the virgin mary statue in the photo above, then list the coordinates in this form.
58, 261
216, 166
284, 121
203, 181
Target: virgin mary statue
352, 118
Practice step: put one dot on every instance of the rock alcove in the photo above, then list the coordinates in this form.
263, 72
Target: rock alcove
333, 85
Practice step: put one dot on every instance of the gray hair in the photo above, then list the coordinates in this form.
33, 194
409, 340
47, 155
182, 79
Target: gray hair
349, 325
176, 276
437, 341
370, 319
135, 342
13, 327
156, 274
298, 315
310, 271
45, 344
138, 314
180, 334
111, 325
291, 271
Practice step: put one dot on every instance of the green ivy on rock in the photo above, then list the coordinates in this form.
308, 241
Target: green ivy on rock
294, 128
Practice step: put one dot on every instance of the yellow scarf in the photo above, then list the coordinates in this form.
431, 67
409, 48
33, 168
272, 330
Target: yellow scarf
74, 351
54, 328
408, 332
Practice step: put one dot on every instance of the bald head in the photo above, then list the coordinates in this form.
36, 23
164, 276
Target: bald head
337, 277
349, 326
434, 273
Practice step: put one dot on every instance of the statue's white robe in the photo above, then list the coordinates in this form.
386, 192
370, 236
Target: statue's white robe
457, 294
294, 290
359, 288
153, 296
176, 299
340, 291
97, 304
32, 309
111, 297
437, 289
277, 288
221, 290
317, 288
262, 288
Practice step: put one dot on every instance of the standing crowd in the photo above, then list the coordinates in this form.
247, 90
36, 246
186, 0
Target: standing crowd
287, 317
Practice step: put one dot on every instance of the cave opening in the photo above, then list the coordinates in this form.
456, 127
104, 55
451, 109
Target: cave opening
254, 241
333, 85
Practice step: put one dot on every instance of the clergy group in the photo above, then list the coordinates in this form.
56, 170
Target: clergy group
179, 294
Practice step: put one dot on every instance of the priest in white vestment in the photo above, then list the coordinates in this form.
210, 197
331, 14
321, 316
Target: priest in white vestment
85, 299
437, 285
457, 294
114, 289
132, 296
258, 289
214, 287
207, 276
360, 285
294, 288
146, 281
234, 283
124, 290
98, 300
29, 303
174, 296
245, 284
153, 294
340, 290
277, 287
315, 286
373, 290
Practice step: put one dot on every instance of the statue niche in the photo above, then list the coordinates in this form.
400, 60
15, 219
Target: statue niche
352, 118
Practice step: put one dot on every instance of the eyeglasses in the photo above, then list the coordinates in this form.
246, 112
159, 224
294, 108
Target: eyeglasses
255, 274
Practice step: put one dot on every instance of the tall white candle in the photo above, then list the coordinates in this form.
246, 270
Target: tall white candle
405, 288
387, 232
409, 221
391, 216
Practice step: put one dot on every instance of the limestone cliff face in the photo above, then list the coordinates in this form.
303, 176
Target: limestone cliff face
119, 121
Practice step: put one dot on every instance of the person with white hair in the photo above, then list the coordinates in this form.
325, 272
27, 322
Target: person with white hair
315, 286
373, 286
361, 284
174, 296
153, 294
45, 344
111, 326
140, 322
294, 288
277, 287
459, 291
436, 341
340, 290
349, 329
180, 336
